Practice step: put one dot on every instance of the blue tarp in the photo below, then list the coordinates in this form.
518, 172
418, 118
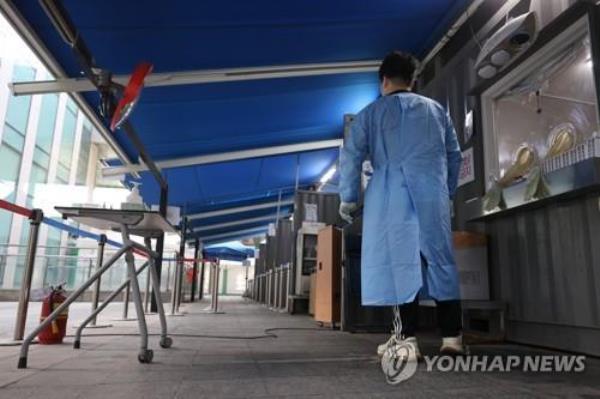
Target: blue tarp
212, 118
233, 250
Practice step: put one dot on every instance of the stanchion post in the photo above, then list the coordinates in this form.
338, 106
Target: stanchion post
202, 272
34, 229
99, 263
181, 260
195, 271
216, 287
174, 289
126, 301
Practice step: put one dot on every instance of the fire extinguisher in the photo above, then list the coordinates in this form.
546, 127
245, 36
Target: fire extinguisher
56, 331
189, 275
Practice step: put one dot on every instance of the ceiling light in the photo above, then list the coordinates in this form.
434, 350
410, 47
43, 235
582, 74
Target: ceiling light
328, 175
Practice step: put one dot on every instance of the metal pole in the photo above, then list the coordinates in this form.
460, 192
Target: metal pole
126, 300
217, 286
99, 262
165, 341
181, 257
34, 228
96, 312
145, 355
160, 243
90, 264
63, 306
247, 291
147, 292
212, 286
201, 290
168, 276
195, 272
174, 290
297, 171
180, 284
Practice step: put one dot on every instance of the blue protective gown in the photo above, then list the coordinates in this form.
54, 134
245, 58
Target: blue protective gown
416, 158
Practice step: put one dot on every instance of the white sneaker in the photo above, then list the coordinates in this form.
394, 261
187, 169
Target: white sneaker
452, 346
393, 341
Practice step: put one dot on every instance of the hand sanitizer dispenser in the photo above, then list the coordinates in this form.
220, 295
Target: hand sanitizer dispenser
134, 199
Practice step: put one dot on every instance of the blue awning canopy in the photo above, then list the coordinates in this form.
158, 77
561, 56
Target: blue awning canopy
202, 119
232, 250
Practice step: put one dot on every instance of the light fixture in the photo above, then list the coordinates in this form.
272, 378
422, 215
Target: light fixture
500, 57
505, 44
328, 175
487, 71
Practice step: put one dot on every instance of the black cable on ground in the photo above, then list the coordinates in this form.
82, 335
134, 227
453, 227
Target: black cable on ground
268, 333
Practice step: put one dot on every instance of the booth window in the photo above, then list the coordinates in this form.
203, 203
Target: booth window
551, 91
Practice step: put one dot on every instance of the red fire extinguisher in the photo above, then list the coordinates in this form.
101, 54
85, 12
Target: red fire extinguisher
189, 275
55, 332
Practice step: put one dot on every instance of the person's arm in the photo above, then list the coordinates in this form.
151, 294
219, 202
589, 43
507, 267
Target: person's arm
354, 152
453, 155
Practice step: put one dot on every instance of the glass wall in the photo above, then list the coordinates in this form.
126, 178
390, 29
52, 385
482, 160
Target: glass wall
11, 151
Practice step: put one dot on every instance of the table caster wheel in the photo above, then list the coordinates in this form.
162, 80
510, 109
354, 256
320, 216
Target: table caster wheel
146, 356
166, 342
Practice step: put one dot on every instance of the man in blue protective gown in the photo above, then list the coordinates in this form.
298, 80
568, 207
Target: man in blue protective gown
407, 240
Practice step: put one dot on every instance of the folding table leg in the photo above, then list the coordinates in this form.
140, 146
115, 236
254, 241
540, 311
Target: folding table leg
95, 313
165, 341
63, 306
145, 355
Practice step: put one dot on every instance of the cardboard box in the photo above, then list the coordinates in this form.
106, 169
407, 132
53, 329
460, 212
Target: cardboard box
470, 250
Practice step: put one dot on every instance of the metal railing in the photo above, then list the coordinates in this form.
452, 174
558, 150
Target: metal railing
71, 270
271, 288
27, 270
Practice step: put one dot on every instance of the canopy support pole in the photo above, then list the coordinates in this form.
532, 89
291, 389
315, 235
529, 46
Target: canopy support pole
160, 245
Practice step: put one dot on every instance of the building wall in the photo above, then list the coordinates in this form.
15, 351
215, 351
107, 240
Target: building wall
232, 278
543, 263
47, 148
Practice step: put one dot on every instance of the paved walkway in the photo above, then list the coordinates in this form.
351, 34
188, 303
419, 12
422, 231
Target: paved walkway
300, 362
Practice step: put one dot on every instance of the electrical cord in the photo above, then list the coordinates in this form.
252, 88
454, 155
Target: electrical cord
269, 333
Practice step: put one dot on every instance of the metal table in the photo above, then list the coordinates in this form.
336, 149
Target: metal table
146, 224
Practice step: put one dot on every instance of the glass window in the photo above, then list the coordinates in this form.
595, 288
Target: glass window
52, 248
41, 158
84, 154
46, 122
66, 145
545, 111
9, 170
13, 138
18, 107
20, 264
38, 175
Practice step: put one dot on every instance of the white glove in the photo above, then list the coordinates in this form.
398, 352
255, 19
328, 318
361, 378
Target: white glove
346, 208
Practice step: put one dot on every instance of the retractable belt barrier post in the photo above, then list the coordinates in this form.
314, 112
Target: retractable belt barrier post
35, 218
99, 262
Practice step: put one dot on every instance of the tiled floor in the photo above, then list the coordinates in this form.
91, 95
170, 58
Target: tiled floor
300, 362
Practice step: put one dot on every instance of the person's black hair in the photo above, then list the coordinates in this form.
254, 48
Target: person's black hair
399, 67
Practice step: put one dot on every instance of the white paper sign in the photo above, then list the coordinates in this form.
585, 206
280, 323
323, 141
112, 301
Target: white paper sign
272, 232
310, 213
467, 169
